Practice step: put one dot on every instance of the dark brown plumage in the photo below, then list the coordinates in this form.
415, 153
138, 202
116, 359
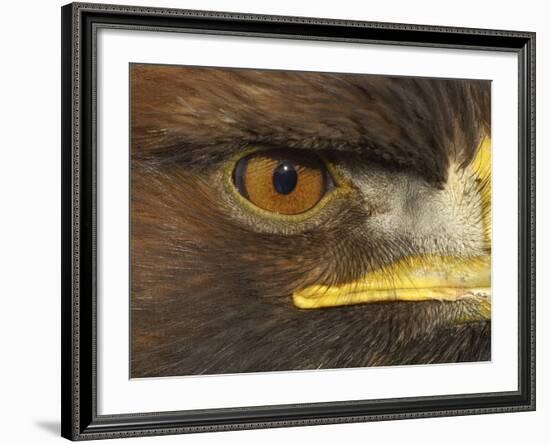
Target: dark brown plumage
211, 292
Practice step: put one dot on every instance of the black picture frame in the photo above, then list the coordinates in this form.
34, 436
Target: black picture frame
78, 334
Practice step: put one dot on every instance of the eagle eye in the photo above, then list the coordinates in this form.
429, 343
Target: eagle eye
282, 181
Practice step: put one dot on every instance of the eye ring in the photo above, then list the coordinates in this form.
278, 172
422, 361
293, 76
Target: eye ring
282, 183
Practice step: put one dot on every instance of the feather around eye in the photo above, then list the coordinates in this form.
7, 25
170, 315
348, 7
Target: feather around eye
282, 181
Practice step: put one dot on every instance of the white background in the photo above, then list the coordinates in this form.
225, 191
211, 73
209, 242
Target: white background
30, 234
118, 394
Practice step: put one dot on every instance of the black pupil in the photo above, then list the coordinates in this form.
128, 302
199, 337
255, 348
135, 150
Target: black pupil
285, 178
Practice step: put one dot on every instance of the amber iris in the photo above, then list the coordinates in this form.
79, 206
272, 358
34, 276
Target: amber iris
282, 181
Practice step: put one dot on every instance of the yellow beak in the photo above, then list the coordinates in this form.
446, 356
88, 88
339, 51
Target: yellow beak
411, 279
419, 278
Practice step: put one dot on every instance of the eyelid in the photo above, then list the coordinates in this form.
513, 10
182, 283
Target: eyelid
238, 172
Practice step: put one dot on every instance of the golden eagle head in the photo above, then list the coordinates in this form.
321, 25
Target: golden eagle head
293, 220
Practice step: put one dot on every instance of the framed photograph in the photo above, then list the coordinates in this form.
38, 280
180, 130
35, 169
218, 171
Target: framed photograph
281, 221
